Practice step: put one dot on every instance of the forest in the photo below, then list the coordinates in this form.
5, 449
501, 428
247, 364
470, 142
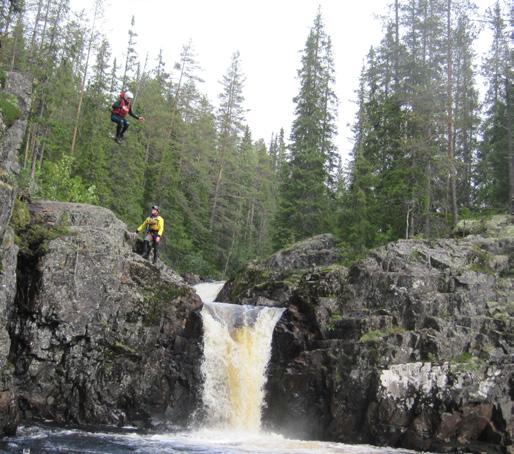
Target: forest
429, 148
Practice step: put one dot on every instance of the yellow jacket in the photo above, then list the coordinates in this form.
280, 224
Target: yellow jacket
153, 225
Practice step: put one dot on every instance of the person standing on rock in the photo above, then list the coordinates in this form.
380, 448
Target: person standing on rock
153, 226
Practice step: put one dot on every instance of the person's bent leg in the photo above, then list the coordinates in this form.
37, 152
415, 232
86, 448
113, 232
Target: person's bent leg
147, 247
155, 251
119, 125
125, 125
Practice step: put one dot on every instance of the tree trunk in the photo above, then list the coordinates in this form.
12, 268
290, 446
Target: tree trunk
510, 118
27, 146
34, 30
450, 120
396, 46
217, 189
428, 201
83, 81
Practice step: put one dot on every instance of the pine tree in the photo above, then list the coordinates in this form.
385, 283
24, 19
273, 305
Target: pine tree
96, 15
131, 57
225, 214
94, 146
466, 111
493, 167
305, 192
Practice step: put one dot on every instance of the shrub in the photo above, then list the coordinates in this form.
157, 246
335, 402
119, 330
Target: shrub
9, 108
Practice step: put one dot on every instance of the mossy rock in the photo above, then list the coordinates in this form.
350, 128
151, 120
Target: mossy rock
156, 301
9, 108
33, 239
466, 362
20, 217
480, 261
377, 335
499, 225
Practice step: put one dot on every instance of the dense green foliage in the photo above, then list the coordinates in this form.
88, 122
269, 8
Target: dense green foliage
424, 151
420, 158
306, 183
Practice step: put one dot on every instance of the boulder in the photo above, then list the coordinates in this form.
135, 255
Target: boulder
99, 335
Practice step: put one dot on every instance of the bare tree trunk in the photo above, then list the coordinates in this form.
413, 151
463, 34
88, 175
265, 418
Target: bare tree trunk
229, 255
407, 222
27, 143
36, 24
510, 118
217, 189
45, 24
428, 200
140, 80
83, 81
450, 121
396, 45
130, 48
41, 155
15, 41
34, 162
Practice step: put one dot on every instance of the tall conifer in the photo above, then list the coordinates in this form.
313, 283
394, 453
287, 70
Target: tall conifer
305, 192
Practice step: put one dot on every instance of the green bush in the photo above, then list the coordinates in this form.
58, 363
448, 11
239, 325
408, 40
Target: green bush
20, 215
57, 183
9, 108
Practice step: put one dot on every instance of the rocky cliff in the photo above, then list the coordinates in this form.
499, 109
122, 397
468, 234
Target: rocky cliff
98, 334
15, 95
90, 332
410, 347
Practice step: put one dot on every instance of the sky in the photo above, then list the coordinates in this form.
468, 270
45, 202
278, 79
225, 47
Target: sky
269, 35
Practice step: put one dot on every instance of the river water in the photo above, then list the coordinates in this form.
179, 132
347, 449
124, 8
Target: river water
237, 347
47, 440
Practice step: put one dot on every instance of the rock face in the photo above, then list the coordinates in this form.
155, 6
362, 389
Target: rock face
410, 347
99, 335
10, 141
90, 333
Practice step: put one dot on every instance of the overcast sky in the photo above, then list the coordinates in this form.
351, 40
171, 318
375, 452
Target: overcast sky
269, 34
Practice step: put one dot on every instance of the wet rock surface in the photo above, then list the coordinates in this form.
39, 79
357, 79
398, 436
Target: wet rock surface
410, 347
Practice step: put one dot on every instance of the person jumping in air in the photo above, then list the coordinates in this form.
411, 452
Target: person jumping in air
153, 227
120, 110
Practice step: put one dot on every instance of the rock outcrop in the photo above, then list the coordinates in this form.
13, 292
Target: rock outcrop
99, 335
410, 347
90, 332
17, 90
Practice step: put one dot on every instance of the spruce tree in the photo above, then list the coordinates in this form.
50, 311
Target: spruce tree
492, 174
225, 210
305, 191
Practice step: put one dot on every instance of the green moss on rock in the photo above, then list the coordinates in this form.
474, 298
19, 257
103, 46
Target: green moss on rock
466, 362
480, 261
33, 240
156, 302
378, 335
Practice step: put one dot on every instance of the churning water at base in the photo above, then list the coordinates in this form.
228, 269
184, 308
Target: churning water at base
44, 440
239, 341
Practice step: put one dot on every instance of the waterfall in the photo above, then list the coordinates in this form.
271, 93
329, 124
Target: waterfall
237, 349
